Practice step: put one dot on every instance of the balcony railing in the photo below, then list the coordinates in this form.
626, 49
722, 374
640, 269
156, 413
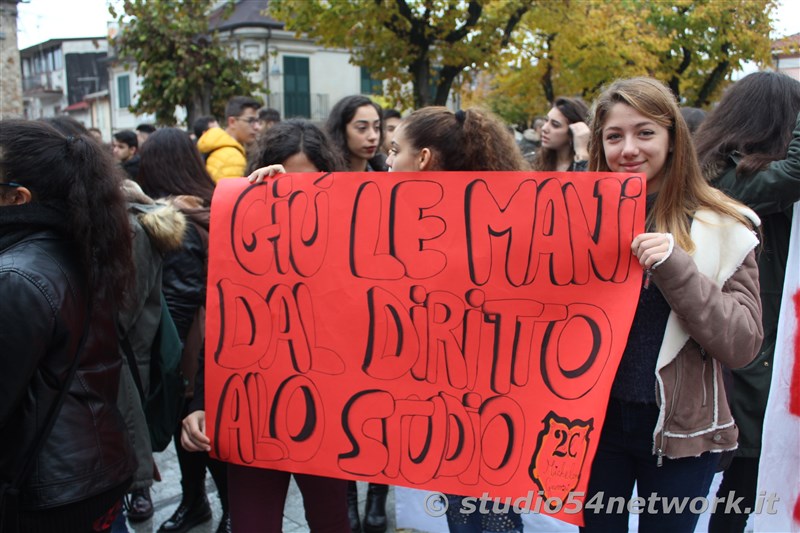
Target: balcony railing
41, 82
314, 106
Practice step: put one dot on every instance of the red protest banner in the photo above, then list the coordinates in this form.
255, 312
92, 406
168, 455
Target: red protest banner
451, 331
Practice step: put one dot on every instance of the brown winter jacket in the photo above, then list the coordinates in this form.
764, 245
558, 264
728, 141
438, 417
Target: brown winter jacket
715, 318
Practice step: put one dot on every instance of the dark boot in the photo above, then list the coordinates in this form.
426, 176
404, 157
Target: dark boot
375, 510
190, 513
138, 505
352, 507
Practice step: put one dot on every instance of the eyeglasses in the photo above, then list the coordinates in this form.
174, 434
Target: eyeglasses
252, 120
10, 184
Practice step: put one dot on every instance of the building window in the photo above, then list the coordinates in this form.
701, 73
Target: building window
296, 87
369, 85
124, 91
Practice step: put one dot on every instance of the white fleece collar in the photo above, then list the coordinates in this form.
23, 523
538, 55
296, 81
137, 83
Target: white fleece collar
721, 246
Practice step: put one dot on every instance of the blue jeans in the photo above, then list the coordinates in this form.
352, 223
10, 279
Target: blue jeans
500, 520
624, 457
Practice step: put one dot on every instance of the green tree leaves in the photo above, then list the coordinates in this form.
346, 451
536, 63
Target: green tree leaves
427, 43
182, 63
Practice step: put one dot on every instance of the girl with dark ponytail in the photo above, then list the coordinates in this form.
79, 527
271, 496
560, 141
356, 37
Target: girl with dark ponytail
74, 176
65, 266
435, 138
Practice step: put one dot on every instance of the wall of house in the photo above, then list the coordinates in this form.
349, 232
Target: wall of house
58, 74
10, 73
83, 116
330, 75
789, 66
121, 117
100, 116
43, 80
44, 105
83, 46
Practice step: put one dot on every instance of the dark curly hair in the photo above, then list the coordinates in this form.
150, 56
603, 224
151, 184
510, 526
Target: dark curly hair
77, 172
291, 137
341, 115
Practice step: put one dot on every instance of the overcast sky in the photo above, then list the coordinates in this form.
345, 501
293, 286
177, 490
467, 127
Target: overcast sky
40, 20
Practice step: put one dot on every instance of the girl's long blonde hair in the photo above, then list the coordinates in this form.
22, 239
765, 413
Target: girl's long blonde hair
684, 190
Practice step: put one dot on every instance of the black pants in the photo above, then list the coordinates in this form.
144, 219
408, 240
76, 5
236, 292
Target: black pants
740, 478
193, 469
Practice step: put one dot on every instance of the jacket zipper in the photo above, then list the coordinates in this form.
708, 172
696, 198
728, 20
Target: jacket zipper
660, 436
703, 375
660, 449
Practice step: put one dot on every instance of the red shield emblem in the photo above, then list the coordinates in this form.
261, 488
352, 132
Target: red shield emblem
560, 452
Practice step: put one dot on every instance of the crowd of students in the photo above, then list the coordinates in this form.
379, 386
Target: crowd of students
87, 247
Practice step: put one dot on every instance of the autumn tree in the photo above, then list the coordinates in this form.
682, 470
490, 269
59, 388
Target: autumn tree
181, 62
574, 48
709, 40
425, 42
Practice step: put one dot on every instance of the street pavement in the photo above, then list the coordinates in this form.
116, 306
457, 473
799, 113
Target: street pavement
167, 495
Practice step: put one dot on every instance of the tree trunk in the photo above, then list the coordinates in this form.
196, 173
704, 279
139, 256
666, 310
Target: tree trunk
547, 84
445, 83
547, 77
675, 81
420, 71
199, 106
193, 111
713, 80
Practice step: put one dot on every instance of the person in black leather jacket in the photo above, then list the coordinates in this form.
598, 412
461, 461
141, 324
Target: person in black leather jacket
65, 264
755, 158
172, 171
